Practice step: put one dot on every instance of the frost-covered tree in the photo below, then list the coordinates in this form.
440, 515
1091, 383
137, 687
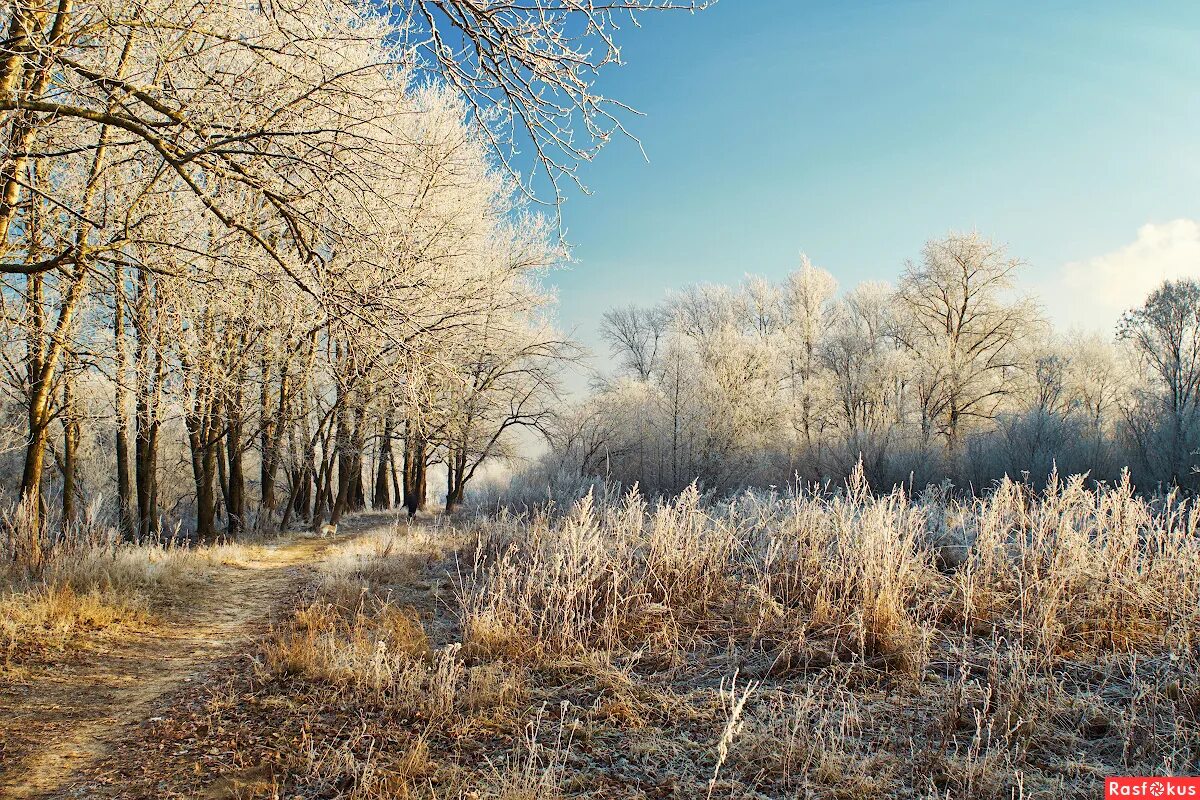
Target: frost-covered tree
808, 303
961, 331
951, 375
322, 184
1165, 334
866, 373
635, 336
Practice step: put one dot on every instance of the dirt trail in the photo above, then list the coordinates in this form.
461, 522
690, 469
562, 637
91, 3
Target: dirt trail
79, 710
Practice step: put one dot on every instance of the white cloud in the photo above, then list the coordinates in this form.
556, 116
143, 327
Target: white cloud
1094, 293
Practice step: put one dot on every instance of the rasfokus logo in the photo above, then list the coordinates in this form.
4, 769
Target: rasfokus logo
1152, 787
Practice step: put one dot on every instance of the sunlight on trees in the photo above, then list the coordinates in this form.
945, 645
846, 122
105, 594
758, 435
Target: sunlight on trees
278, 240
951, 374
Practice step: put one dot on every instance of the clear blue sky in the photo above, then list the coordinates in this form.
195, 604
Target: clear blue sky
855, 131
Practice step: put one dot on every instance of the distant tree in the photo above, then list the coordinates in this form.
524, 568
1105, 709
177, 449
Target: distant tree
586, 439
635, 336
761, 307
860, 354
960, 331
809, 311
701, 312
1165, 330
508, 381
1094, 378
1165, 333
1049, 383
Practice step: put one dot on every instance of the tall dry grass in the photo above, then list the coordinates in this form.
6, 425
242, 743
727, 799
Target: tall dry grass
1066, 572
1023, 633
354, 636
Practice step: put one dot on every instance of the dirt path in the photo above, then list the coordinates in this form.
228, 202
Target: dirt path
76, 712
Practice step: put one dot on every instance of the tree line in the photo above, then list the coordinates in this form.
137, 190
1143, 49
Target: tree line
265, 262
950, 374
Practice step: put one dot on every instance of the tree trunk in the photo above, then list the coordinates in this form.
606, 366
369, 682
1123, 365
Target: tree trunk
204, 445
125, 501
37, 414
71, 436
423, 480
273, 433
266, 471
306, 459
306, 480
382, 497
203, 465
357, 499
397, 492
303, 471
414, 470
31, 472
222, 476
952, 437
235, 500
42, 361
147, 372
323, 499
344, 464
451, 483
456, 477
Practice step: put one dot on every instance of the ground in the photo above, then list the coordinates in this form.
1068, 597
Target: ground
615, 654
60, 725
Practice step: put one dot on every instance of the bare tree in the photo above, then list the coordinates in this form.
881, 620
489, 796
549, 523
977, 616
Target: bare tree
960, 331
860, 354
809, 309
635, 335
528, 70
1165, 333
1095, 378
1165, 330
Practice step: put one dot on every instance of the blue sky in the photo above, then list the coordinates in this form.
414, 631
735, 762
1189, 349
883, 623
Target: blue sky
855, 131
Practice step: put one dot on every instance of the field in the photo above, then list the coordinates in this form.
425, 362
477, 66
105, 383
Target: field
832, 646
844, 444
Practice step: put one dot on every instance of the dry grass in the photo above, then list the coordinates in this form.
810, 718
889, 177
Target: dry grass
58, 589
352, 642
1012, 645
355, 636
846, 645
1068, 573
